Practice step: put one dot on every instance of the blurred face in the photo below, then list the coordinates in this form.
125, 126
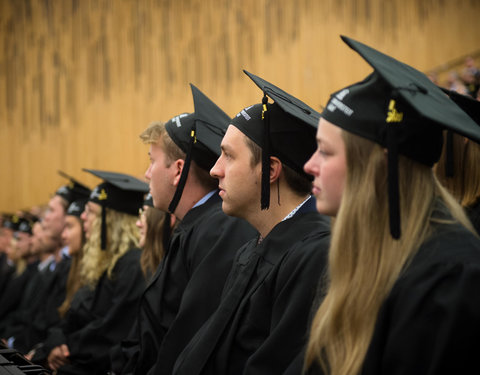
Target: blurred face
142, 225
92, 211
5, 239
238, 180
72, 234
23, 244
328, 166
37, 232
55, 217
161, 175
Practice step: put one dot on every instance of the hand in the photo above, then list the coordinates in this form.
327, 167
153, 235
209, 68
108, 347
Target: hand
58, 357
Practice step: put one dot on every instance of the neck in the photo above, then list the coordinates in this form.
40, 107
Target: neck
265, 220
192, 193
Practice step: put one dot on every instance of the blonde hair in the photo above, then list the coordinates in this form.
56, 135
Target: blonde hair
464, 185
157, 134
122, 235
364, 259
153, 250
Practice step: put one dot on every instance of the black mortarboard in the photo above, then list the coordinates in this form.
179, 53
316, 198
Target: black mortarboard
471, 108
120, 192
77, 207
399, 108
285, 129
25, 226
73, 190
199, 135
148, 201
11, 222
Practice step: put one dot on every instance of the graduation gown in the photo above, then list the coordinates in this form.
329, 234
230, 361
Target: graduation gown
14, 300
188, 284
473, 213
45, 315
430, 321
99, 319
261, 323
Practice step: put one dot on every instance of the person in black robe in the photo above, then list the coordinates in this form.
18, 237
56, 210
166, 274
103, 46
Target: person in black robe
103, 310
404, 264
188, 283
459, 165
261, 323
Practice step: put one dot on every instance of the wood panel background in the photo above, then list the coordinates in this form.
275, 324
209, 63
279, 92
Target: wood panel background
80, 79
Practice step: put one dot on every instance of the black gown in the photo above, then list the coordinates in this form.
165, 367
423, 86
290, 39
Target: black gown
45, 314
100, 318
187, 286
261, 323
430, 321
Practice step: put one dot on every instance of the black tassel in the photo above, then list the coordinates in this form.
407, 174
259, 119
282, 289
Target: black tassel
393, 191
103, 235
449, 155
265, 197
183, 178
166, 231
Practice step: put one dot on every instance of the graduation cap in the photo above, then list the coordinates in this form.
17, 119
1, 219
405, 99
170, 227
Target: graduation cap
148, 200
25, 225
199, 135
285, 128
11, 222
120, 192
73, 190
399, 108
472, 108
77, 207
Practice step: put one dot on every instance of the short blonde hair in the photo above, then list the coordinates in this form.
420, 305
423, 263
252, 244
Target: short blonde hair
156, 134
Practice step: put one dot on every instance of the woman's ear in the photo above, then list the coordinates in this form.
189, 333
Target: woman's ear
178, 168
275, 168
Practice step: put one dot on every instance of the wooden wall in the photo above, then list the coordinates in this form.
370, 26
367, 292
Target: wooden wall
80, 79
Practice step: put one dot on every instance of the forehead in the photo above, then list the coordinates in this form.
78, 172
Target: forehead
234, 138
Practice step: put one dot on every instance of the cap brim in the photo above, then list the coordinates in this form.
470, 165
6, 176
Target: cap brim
120, 180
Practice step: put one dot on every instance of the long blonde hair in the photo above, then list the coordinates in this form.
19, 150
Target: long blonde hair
464, 185
122, 234
364, 259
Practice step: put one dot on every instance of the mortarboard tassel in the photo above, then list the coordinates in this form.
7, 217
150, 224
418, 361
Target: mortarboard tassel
449, 155
184, 175
393, 193
265, 197
166, 231
103, 239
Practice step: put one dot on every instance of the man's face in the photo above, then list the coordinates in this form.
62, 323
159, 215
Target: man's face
238, 180
161, 175
37, 233
55, 217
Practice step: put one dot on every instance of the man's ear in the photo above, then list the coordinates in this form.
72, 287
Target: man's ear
178, 168
275, 168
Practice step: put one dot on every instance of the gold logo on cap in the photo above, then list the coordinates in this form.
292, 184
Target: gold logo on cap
103, 195
393, 115
71, 184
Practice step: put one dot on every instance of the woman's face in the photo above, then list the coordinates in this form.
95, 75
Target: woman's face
328, 166
92, 211
142, 225
72, 234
